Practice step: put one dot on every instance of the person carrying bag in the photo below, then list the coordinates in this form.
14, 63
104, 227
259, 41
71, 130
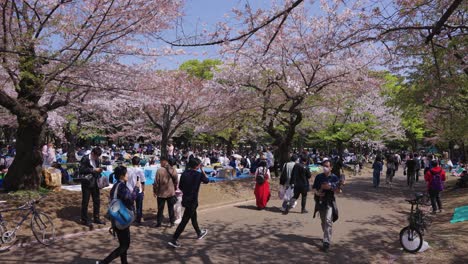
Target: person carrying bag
89, 174
121, 213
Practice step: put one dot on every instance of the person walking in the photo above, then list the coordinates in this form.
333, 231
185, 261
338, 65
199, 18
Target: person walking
127, 197
190, 186
410, 171
377, 167
164, 188
89, 166
136, 174
435, 179
262, 185
326, 185
390, 169
417, 166
300, 180
285, 184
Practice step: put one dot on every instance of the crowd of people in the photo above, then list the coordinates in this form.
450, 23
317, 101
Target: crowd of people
173, 188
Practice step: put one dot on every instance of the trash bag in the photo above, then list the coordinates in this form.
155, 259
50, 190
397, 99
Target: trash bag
288, 194
281, 191
178, 209
425, 246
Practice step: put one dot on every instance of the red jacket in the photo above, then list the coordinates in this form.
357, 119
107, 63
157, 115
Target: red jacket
429, 173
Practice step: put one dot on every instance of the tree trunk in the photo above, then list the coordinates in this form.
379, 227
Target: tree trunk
164, 142
25, 171
283, 147
71, 147
340, 147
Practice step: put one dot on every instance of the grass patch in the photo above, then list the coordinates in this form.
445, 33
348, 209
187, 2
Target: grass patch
29, 194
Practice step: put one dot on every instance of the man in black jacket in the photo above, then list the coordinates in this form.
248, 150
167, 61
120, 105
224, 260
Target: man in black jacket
89, 165
189, 184
300, 179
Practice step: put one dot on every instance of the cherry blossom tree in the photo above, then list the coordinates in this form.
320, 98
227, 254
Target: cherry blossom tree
308, 56
358, 116
51, 47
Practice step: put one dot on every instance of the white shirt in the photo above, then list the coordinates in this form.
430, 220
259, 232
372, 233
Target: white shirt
133, 173
92, 161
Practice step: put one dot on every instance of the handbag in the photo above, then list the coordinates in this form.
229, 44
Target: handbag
281, 192
119, 213
103, 182
289, 193
86, 178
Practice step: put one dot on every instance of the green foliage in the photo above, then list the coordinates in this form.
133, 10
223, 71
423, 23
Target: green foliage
345, 131
408, 98
201, 69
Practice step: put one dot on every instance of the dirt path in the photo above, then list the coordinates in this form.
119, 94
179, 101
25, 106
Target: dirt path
367, 232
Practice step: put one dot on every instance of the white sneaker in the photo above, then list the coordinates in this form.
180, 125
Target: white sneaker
203, 233
174, 244
294, 204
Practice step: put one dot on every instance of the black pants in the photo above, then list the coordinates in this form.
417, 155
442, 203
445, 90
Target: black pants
170, 208
303, 193
435, 200
86, 193
190, 213
121, 251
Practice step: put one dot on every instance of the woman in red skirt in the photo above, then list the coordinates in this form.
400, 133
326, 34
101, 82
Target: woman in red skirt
262, 187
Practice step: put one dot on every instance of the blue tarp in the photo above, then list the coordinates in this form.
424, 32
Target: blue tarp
150, 174
460, 214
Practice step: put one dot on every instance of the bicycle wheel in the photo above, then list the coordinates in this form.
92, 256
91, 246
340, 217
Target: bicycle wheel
43, 228
411, 239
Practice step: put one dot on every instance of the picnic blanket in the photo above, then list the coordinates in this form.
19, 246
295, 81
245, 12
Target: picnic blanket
77, 187
314, 168
460, 215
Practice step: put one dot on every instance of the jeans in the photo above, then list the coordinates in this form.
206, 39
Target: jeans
326, 215
170, 208
139, 206
376, 178
86, 193
435, 200
121, 251
190, 213
303, 192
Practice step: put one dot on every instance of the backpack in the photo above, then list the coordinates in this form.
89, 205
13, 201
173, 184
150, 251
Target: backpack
436, 183
260, 178
121, 216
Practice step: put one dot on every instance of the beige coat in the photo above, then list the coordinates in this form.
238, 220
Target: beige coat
165, 183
